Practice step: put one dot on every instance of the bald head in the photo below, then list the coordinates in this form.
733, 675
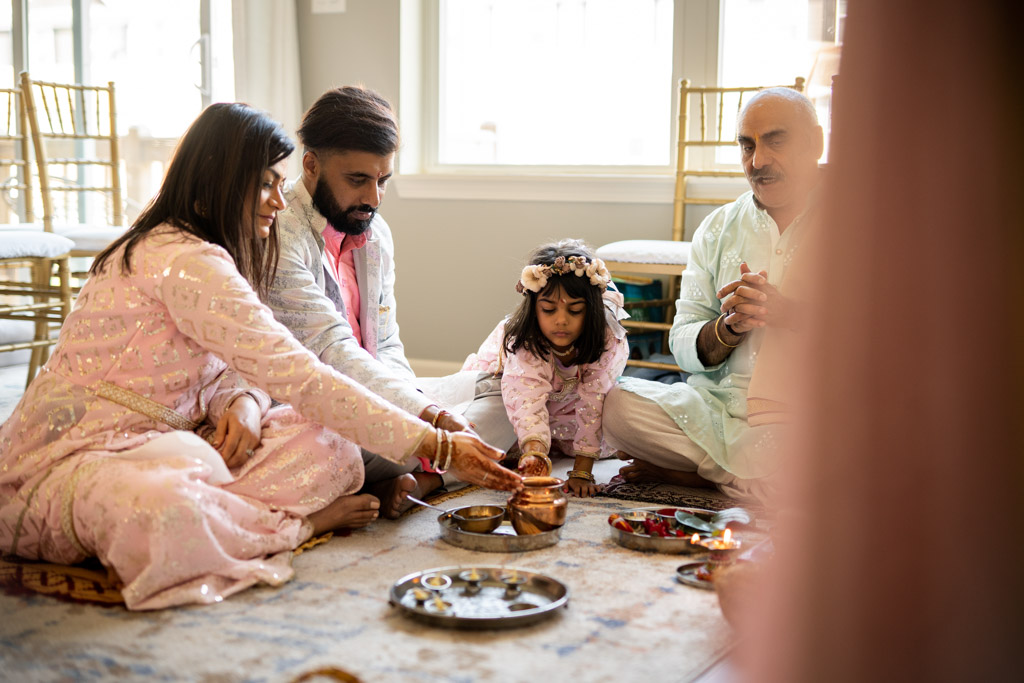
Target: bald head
780, 144
797, 100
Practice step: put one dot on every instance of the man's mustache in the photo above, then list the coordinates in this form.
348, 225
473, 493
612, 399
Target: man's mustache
768, 173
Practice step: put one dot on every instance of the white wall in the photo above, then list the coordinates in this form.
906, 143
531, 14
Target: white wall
457, 260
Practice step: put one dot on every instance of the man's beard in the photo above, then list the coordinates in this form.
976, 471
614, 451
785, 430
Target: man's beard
339, 218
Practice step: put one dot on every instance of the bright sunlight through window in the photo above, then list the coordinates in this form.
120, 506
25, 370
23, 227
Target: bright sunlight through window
568, 83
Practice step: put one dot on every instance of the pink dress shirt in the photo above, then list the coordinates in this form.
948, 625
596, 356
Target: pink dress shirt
338, 250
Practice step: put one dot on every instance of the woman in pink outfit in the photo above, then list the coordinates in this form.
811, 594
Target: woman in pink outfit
149, 440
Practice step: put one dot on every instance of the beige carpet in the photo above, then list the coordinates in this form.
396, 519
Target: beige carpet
627, 619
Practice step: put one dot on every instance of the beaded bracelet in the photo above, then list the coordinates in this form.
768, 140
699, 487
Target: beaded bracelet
719, 336
538, 454
582, 474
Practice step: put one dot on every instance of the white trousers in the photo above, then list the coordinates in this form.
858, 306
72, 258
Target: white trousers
642, 429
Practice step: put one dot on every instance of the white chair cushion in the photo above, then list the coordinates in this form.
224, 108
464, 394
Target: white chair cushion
90, 237
666, 252
85, 237
33, 243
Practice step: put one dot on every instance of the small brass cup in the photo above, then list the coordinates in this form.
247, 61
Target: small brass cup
479, 519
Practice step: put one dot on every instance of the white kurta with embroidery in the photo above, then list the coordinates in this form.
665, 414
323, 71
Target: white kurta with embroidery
711, 406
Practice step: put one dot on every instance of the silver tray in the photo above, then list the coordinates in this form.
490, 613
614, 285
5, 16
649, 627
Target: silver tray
504, 539
688, 574
658, 544
492, 606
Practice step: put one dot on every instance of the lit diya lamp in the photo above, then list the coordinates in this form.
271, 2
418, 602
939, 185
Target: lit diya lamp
420, 595
436, 582
513, 583
472, 577
720, 548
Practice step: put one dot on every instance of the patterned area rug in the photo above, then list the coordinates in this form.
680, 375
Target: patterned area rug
667, 494
627, 617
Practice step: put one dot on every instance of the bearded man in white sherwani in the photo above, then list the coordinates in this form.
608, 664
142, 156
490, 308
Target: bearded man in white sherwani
334, 284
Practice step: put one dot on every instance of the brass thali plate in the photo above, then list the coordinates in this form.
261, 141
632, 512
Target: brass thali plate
659, 544
504, 539
695, 574
489, 604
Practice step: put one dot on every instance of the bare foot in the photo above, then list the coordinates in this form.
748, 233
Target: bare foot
642, 472
393, 493
346, 512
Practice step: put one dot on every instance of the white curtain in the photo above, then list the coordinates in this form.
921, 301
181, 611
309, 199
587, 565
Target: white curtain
266, 54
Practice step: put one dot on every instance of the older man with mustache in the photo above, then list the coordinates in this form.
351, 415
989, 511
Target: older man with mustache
697, 433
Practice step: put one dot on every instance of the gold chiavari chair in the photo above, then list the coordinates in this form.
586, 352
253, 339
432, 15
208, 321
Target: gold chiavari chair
74, 133
35, 290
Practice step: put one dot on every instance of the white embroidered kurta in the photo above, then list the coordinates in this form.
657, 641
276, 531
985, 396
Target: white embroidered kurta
711, 406
308, 301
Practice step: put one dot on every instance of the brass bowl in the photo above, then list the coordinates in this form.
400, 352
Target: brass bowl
478, 519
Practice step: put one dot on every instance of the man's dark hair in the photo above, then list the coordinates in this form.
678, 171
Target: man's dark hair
350, 119
211, 188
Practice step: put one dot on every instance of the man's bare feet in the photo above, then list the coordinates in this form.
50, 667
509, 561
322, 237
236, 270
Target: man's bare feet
393, 493
346, 512
643, 472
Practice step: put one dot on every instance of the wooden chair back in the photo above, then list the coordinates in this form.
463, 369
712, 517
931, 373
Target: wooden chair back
16, 195
74, 132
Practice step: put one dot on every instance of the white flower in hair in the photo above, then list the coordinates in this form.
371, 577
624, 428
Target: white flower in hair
579, 265
598, 274
534, 278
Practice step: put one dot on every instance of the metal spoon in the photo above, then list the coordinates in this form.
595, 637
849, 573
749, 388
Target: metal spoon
426, 505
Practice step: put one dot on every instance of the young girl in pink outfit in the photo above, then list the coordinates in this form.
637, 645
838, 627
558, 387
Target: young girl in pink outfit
558, 355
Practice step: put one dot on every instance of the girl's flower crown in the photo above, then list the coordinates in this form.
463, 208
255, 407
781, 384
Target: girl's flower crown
535, 278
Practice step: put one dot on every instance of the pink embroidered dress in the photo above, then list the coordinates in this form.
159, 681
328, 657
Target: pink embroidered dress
82, 476
556, 404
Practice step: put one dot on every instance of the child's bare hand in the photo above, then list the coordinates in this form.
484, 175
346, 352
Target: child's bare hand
580, 487
532, 466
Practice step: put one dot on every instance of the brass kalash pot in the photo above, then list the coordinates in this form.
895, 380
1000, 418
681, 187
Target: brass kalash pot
539, 507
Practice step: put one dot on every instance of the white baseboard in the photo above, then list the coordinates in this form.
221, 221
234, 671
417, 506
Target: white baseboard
425, 367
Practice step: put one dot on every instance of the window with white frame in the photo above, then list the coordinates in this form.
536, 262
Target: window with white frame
166, 61
589, 85
554, 83
773, 43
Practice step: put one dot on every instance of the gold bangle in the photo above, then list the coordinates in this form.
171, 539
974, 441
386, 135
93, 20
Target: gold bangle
582, 474
537, 454
719, 336
449, 446
437, 449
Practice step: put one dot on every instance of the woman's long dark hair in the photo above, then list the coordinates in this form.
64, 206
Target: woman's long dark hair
522, 329
211, 188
